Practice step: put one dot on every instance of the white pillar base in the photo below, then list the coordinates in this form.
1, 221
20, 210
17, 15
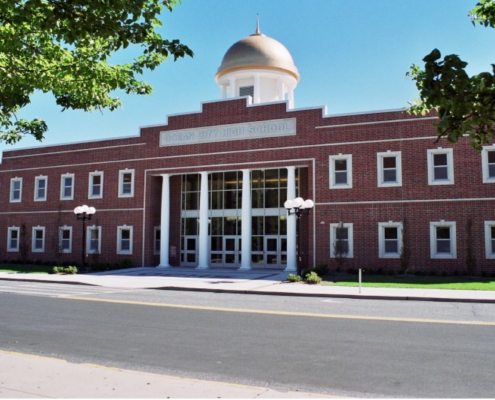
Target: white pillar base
163, 266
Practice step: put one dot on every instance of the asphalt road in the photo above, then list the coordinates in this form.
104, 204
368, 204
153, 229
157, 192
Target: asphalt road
341, 347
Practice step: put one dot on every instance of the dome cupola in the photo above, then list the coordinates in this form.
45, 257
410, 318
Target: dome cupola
260, 67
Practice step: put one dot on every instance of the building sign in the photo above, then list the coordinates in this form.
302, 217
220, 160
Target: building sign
220, 133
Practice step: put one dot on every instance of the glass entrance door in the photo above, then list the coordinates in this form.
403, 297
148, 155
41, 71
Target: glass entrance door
275, 254
189, 252
232, 251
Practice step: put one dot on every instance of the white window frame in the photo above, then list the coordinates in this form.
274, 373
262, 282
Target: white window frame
381, 239
490, 254
37, 188
380, 168
332, 159
62, 186
89, 229
11, 249
156, 230
485, 166
350, 238
431, 167
33, 239
91, 185
121, 229
60, 239
121, 182
12, 182
433, 239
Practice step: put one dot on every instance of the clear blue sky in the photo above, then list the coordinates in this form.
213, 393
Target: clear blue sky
352, 56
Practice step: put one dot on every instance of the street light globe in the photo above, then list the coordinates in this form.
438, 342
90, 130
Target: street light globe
297, 203
91, 210
309, 204
288, 204
78, 210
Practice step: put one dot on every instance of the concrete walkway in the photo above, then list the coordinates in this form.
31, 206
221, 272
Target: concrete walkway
247, 282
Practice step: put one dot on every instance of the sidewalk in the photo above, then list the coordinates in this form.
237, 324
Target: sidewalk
29, 376
246, 282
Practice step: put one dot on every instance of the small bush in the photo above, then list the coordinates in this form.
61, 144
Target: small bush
293, 278
126, 263
312, 278
321, 269
71, 270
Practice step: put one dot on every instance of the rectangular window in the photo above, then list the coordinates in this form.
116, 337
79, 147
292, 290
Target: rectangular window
65, 239
341, 240
40, 188
488, 164
443, 239
440, 167
490, 239
341, 171
389, 169
38, 243
93, 239
157, 240
126, 183
13, 239
15, 190
390, 239
124, 240
67, 187
95, 185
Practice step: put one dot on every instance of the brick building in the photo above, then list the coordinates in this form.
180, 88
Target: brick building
194, 191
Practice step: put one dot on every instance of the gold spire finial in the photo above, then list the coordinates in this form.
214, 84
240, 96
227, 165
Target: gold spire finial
257, 32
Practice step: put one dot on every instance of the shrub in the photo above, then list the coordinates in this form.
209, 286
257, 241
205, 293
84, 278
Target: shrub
126, 263
64, 270
312, 278
293, 278
321, 269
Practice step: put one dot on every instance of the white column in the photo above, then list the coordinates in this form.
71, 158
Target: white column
232, 87
246, 220
291, 222
203, 223
281, 90
257, 89
165, 223
291, 97
224, 91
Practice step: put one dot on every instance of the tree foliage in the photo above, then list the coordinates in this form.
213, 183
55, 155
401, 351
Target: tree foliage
64, 47
465, 104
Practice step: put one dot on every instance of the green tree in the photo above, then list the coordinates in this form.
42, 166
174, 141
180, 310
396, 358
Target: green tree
64, 47
465, 104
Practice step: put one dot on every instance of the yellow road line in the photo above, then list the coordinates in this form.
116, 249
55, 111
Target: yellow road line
15, 353
284, 313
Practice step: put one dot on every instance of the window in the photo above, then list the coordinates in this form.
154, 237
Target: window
67, 187
341, 171
65, 239
15, 190
443, 240
341, 240
126, 183
389, 171
389, 239
38, 243
124, 240
40, 188
93, 239
13, 239
490, 239
95, 190
157, 240
488, 164
440, 167
246, 91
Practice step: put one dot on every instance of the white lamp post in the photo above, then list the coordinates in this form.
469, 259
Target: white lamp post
297, 207
84, 213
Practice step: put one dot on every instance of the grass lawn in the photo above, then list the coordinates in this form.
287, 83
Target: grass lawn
416, 282
27, 269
